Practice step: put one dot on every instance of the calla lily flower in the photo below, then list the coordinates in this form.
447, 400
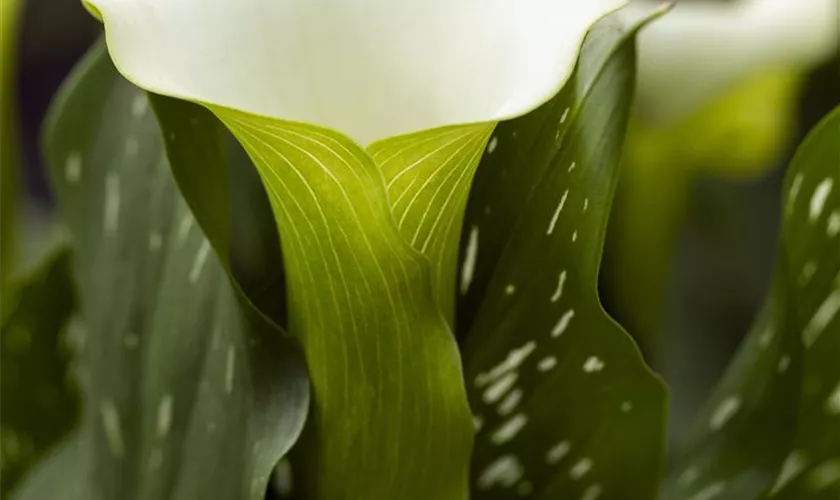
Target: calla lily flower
370, 69
702, 48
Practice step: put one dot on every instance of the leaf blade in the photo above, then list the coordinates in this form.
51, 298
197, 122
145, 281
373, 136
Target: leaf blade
540, 340
168, 404
360, 299
787, 357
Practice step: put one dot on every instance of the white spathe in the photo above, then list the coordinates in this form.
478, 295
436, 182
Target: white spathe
701, 48
367, 68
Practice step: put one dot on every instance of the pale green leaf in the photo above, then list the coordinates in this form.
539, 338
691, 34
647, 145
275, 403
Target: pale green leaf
428, 175
390, 418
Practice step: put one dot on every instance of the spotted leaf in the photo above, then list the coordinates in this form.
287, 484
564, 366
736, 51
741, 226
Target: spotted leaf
771, 428
564, 405
190, 392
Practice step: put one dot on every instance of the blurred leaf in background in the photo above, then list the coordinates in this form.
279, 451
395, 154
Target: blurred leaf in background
40, 398
10, 15
719, 87
770, 428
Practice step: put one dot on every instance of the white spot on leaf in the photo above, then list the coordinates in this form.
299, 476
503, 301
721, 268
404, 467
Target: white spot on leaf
504, 471
492, 145
111, 425
559, 291
793, 465
230, 369
581, 468
139, 105
198, 263
766, 336
824, 476
164, 416
558, 452
819, 197
557, 211
724, 412
832, 404
547, 363
478, 422
563, 323
711, 491
155, 241
499, 388
184, 227
73, 168
510, 402
514, 359
470, 257
592, 493
688, 476
793, 194
282, 478
564, 115
593, 364
111, 217
784, 363
509, 429
808, 271
824, 315
833, 227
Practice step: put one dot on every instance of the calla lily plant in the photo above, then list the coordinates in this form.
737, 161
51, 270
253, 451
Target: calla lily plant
352, 111
350, 250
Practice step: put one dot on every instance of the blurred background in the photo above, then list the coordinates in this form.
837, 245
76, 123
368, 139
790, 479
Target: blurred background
692, 240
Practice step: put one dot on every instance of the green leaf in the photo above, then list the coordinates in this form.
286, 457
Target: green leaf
565, 406
220, 184
428, 175
383, 363
190, 392
772, 427
40, 400
64, 474
10, 17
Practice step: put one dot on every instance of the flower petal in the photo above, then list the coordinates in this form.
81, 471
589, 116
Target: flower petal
368, 68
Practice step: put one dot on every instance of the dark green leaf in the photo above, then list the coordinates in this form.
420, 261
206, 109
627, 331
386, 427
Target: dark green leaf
63, 475
772, 427
565, 404
190, 392
220, 184
40, 400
